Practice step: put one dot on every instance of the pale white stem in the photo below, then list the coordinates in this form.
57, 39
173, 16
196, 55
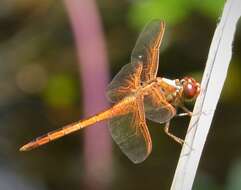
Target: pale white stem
219, 57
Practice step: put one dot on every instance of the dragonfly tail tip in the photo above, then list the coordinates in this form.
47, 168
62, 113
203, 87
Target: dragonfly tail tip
25, 148
22, 149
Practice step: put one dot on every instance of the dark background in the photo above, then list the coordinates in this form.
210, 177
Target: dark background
41, 89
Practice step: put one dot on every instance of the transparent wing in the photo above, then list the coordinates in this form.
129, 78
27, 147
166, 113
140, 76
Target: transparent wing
130, 132
125, 82
147, 47
157, 108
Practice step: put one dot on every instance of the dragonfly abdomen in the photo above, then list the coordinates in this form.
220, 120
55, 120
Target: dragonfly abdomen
118, 109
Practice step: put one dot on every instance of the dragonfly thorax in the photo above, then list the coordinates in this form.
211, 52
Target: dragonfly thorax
171, 91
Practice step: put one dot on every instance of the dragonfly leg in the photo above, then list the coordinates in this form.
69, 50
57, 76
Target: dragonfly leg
190, 114
177, 139
182, 114
187, 112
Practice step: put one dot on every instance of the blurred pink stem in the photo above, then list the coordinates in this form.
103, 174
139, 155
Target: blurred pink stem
91, 51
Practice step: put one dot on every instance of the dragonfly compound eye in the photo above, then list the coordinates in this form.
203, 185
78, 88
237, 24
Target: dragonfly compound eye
191, 88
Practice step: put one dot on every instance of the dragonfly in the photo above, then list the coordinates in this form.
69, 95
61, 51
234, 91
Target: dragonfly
138, 94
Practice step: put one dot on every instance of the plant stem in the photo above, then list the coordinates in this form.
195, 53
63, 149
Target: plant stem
212, 83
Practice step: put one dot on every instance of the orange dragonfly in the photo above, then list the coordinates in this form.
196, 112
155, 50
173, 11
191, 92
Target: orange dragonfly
138, 95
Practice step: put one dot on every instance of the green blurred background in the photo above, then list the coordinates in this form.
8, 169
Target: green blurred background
41, 90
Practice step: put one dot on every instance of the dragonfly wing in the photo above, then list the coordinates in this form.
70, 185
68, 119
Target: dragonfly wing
157, 108
147, 48
125, 82
130, 132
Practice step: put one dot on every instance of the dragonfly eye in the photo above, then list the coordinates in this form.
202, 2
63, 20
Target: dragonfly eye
191, 88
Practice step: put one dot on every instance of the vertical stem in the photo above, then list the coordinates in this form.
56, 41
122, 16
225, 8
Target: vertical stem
219, 57
93, 67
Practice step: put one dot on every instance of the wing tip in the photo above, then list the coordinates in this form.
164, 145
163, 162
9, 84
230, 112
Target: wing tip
161, 22
139, 161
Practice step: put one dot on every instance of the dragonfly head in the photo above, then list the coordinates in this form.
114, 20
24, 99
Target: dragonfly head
190, 88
